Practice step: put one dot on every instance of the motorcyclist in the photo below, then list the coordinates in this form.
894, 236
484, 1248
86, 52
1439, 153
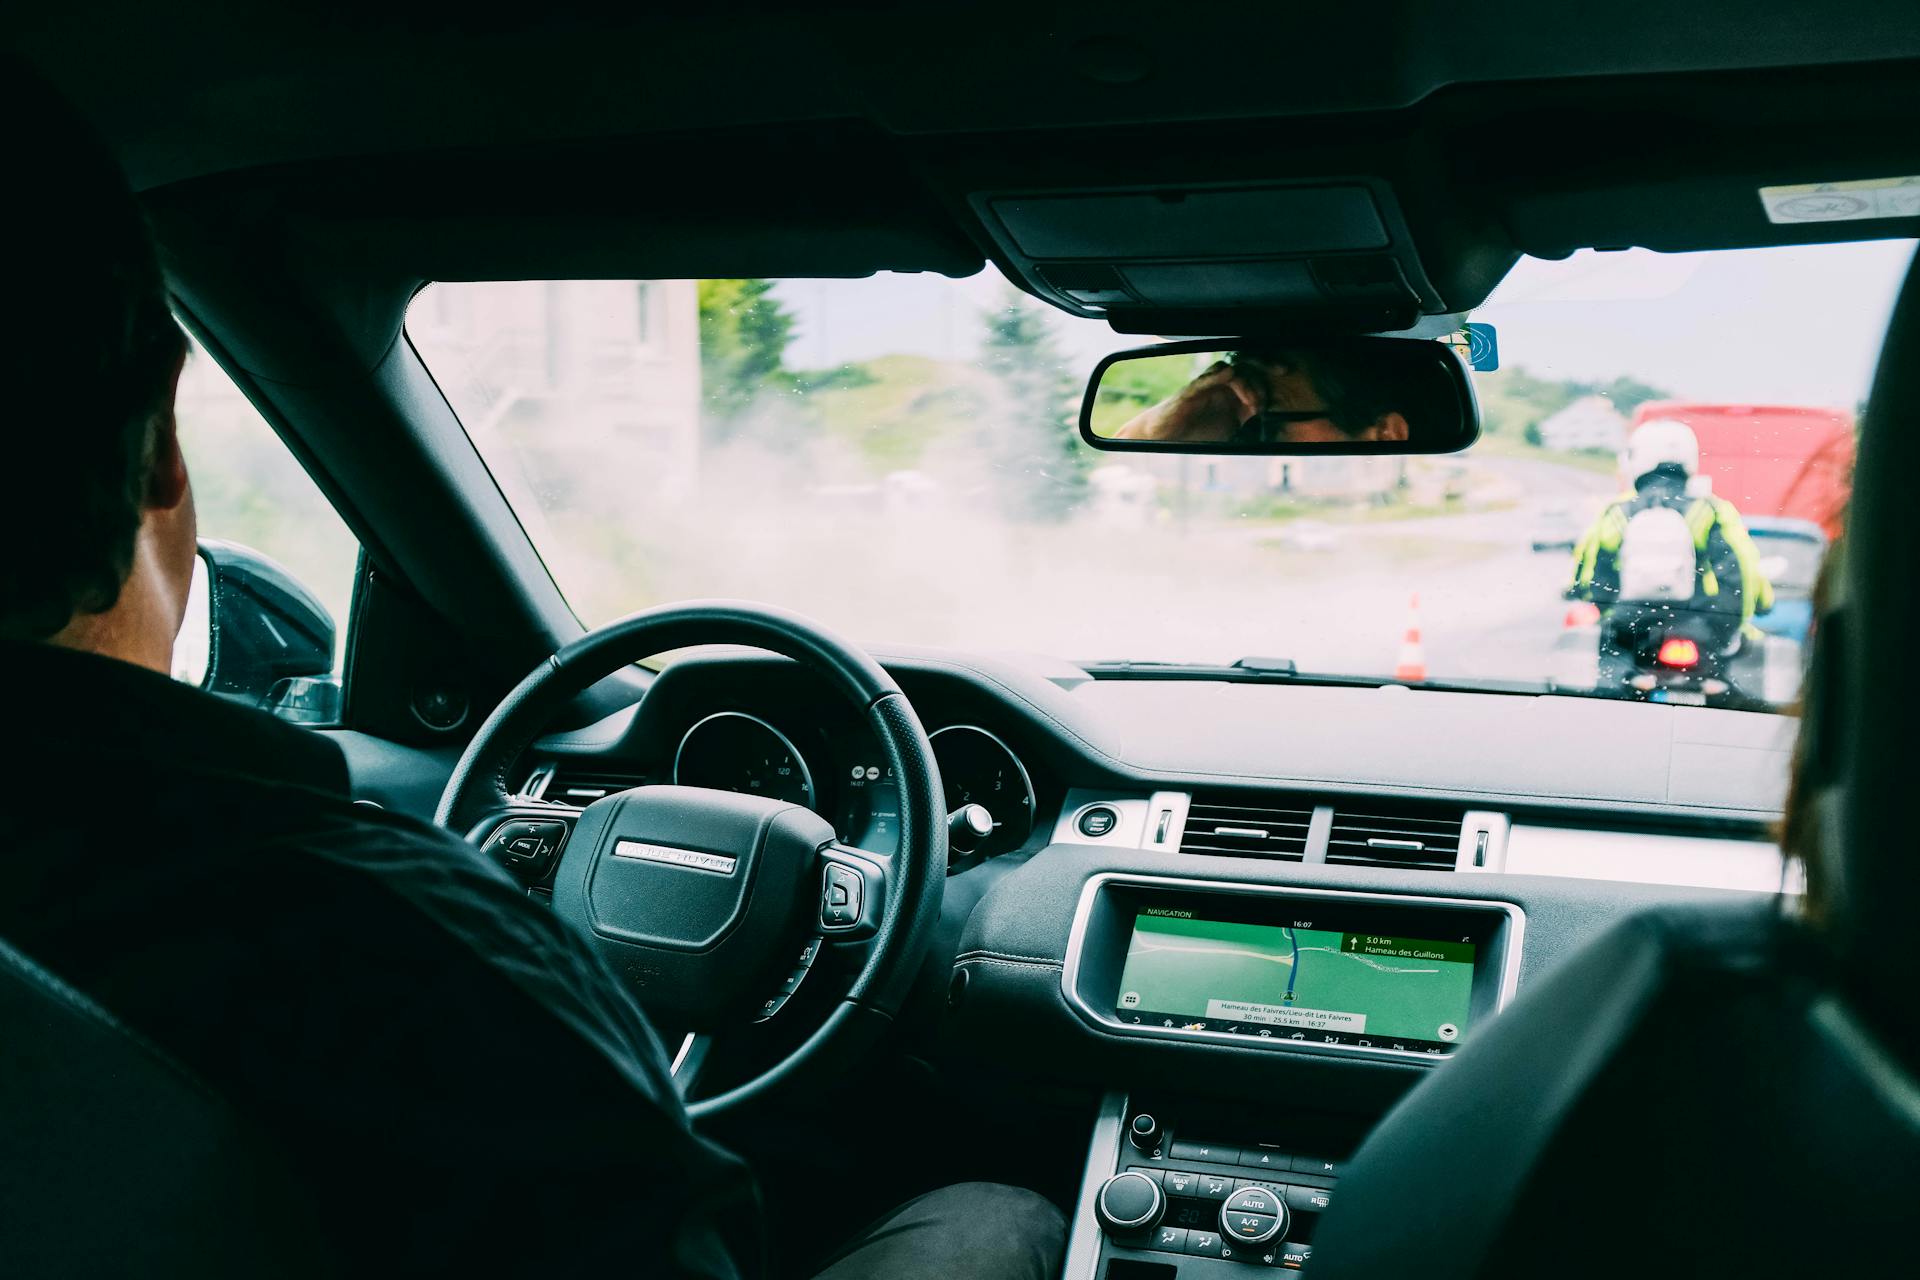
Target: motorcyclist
1728, 588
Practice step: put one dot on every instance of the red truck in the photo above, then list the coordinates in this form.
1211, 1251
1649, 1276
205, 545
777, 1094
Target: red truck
1771, 460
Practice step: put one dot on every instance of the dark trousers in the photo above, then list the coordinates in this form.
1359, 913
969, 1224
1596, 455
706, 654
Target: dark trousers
969, 1231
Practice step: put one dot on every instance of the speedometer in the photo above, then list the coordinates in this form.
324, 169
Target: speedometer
978, 768
733, 751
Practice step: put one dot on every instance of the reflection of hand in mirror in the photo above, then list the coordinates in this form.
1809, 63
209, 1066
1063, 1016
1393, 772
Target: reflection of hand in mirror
1208, 410
1286, 396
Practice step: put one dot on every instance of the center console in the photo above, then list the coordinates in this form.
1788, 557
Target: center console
1188, 1185
1175, 1186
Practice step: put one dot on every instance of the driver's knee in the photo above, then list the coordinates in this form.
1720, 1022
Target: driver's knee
968, 1231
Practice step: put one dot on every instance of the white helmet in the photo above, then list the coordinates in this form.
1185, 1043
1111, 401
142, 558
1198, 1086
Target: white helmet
1659, 441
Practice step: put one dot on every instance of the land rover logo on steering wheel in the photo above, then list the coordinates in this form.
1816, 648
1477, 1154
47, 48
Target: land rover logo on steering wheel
694, 859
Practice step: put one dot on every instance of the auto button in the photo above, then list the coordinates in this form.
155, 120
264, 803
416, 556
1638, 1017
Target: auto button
1253, 1215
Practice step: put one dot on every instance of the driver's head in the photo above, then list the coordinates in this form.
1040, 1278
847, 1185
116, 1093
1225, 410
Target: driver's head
1358, 399
98, 524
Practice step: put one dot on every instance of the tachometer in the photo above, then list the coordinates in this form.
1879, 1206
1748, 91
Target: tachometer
978, 768
733, 751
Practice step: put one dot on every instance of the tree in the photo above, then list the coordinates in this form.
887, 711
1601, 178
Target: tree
1035, 447
1628, 394
744, 335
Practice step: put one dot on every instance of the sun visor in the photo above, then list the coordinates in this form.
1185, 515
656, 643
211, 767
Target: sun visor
1182, 259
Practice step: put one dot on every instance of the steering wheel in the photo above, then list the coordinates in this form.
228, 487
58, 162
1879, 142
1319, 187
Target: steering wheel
706, 902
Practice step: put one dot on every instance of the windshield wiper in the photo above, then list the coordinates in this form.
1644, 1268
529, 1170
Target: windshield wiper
1259, 670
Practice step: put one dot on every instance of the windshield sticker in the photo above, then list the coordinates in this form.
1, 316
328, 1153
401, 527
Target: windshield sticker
1483, 348
1843, 201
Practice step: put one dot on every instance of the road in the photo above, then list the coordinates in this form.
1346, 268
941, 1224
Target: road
1215, 589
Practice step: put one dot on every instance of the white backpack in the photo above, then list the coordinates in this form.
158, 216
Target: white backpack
1656, 556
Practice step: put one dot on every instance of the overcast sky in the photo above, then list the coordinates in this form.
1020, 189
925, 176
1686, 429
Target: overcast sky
1789, 325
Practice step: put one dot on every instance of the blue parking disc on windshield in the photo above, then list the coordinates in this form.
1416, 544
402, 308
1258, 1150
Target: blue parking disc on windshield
1483, 348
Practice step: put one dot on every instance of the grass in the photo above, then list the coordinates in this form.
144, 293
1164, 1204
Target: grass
1402, 550
1501, 446
910, 403
1280, 510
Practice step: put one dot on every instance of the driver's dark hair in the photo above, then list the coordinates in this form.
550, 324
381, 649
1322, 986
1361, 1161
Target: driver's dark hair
1358, 387
90, 346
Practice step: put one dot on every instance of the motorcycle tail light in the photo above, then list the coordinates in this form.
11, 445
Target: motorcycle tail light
1678, 651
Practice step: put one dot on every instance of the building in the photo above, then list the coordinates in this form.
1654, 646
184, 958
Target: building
1590, 423
610, 368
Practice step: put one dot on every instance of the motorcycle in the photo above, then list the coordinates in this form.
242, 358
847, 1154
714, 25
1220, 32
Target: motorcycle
1658, 652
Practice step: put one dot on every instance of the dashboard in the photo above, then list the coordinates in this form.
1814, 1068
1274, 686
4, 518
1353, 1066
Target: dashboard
757, 726
1447, 821
1558, 786
853, 785
1296, 820
1250, 916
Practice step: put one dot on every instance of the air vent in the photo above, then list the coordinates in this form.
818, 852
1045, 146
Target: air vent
1248, 825
1409, 837
565, 784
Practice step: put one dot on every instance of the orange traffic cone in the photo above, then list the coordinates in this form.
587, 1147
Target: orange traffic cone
1412, 666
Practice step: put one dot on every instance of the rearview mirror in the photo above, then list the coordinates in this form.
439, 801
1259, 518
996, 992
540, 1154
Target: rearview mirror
1257, 396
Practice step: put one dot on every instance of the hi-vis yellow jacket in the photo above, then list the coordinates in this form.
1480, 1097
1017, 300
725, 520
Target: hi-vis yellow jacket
1726, 563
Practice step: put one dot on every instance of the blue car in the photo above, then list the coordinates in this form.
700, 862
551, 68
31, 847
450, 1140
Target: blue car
1790, 555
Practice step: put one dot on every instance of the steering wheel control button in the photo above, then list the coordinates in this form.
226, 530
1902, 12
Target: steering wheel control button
1097, 821
1214, 1186
528, 846
1129, 1202
841, 894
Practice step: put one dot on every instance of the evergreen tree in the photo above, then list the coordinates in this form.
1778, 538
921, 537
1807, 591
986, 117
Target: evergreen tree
744, 335
1040, 462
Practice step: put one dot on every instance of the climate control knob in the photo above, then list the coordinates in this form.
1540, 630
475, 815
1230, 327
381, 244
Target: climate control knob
1253, 1215
1129, 1202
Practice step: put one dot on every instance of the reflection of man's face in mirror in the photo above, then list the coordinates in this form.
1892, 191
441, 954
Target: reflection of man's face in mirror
1283, 397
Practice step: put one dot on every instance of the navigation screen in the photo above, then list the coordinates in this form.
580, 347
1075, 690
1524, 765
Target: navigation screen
1296, 983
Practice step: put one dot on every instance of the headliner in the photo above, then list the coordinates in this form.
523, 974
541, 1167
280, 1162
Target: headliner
760, 140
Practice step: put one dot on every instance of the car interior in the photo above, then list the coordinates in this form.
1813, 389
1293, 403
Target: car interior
906, 910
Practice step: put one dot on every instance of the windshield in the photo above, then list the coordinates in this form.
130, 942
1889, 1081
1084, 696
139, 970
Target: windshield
898, 457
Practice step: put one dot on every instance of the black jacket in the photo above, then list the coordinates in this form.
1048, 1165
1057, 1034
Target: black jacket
459, 1082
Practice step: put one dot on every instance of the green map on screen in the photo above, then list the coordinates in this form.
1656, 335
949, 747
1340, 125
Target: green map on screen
1313, 980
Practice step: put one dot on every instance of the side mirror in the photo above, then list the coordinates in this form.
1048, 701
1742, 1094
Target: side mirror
1270, 396
267, 643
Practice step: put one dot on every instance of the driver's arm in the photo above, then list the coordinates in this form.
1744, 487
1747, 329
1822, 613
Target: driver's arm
1207, 410
470, 1089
